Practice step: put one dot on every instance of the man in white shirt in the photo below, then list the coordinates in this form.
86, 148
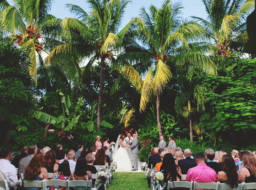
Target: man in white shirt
72, 163
7, 168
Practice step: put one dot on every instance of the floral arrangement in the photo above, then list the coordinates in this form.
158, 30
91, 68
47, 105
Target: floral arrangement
143, 166
113, 167
101, 179
150, 173
159, 176
159, 180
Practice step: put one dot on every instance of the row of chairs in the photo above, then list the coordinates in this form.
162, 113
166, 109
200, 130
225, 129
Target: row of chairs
216, 186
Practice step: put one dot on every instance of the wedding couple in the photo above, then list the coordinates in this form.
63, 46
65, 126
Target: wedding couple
126, 156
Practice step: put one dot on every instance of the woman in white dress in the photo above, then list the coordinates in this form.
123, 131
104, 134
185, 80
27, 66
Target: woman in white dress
121, 156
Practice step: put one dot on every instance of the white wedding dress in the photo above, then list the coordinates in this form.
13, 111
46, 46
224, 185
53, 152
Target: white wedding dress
122, 158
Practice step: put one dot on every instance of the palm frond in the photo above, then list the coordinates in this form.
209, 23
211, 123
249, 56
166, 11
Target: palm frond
162, 76
147, 89
80, 13
127, 118
111, 40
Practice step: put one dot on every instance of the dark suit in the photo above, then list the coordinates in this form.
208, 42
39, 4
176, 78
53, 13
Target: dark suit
186, 164
214, 165
154, 159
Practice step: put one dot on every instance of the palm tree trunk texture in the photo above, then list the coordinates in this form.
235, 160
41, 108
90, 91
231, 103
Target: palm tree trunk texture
101, 93
191, 128
158, 113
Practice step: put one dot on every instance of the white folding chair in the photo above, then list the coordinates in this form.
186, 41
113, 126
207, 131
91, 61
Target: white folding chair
94, 176
4, 185
100, 168
249, 186
205, 186
50, 175
169, 185
34, 183
183, 177
80, 184
56, 183
224, 186
184, 184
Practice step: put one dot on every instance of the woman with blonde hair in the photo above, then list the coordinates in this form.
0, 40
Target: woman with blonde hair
248, 172
179, 156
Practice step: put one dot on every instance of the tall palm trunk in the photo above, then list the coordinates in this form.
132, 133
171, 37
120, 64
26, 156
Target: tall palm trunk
191, 128
101, 92
158, 113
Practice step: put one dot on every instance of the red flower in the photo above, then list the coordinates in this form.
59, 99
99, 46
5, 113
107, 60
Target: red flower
126, 132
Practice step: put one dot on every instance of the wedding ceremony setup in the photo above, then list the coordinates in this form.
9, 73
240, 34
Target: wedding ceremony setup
127, 94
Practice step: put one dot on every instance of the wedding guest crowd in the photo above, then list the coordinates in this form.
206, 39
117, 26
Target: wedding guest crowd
212, 166
36, 163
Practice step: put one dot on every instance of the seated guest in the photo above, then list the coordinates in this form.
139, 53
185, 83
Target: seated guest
160, 150
107, 157
83, 154
254, 154
36, 170
71, 158
64, 171
223, 150
202, 172
90, 168
158, 165
90, 158
216, 158
32, 150
60, 156
100, 158
209, 155
50, 162
154, 159
235, 155
229, 173
7, 168
93, 149
179, 156
171, 171
80, 171
187, 163
171, 151
248, 171
17, 158
80, 148
46, 149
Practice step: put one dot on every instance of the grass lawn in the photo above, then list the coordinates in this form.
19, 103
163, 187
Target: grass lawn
129, 181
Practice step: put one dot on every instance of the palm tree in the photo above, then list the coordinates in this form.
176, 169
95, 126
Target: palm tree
165, 40
94, 36
226, 22
23, 21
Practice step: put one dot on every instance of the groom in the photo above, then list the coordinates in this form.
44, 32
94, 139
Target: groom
135, 151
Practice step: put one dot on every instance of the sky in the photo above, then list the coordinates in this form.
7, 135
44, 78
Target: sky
191, 8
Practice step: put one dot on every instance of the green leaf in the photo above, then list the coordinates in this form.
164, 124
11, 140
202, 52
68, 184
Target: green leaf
106, 124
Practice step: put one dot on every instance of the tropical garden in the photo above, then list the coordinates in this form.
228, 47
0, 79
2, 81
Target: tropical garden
159, 75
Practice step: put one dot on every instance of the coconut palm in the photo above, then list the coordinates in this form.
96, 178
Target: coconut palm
23, 21
94, 36
165, 40
226, 22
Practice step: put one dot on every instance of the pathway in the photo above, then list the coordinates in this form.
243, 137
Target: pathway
129, 181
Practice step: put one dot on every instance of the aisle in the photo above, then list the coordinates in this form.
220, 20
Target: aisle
129, 181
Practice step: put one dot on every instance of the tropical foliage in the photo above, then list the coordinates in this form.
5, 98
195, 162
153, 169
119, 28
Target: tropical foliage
160, 75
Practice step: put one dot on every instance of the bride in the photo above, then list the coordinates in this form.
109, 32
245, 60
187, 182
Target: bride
121, 156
